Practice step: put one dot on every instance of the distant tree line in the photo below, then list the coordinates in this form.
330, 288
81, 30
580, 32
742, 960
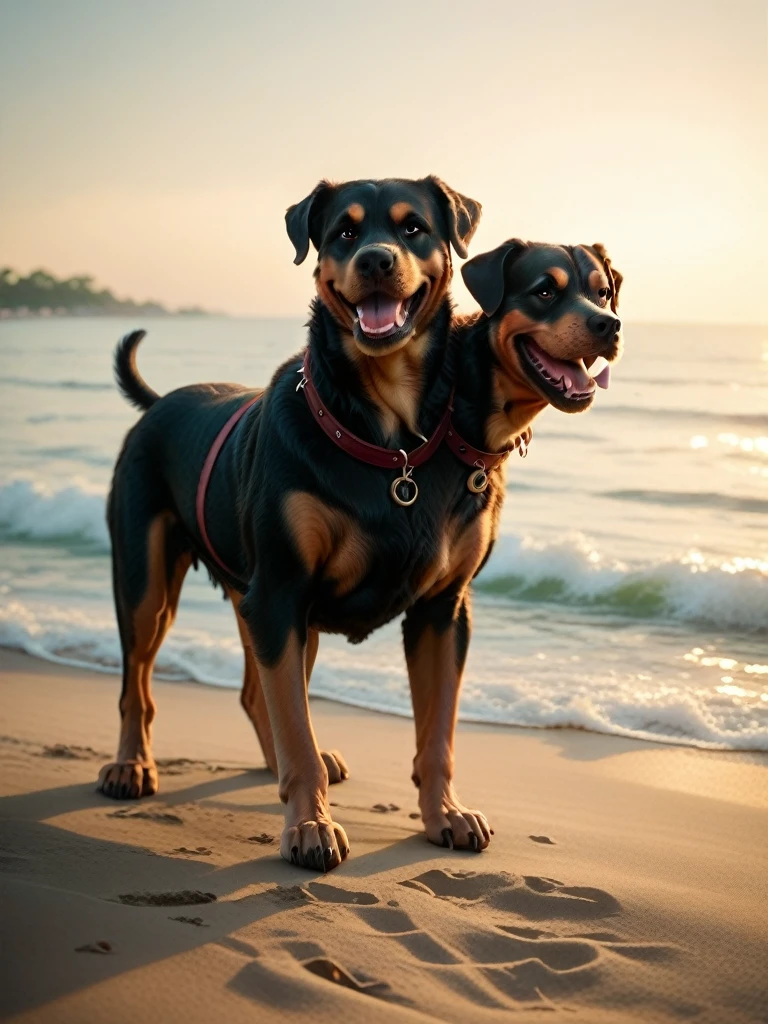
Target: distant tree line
42, 293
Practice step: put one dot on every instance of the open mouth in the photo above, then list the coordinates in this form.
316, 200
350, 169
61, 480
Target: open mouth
566, 383
380, 317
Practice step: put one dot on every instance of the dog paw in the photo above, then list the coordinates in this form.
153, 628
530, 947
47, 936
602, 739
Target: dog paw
317, 845
458, 828
128, 780
336, 766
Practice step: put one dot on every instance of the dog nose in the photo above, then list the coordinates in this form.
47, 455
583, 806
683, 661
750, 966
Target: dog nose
604, 326
375, 261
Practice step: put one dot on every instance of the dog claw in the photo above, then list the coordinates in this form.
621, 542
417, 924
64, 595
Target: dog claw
474, 843
448, 838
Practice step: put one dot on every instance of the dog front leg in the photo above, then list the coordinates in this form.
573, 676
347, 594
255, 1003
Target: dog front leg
436, 635
254, 705
310, 838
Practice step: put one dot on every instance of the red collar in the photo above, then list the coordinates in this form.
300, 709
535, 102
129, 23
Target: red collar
392, 458
373, 454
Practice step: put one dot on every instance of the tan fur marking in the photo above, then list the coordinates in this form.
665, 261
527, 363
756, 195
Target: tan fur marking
150, 622
466, 551
399, 211
393, 382
327, 540
252, 695
462, 550
329, 278
559, 276
356, 213
515, 400
597, 280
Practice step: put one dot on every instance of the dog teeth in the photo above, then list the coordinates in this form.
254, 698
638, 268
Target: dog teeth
400, 316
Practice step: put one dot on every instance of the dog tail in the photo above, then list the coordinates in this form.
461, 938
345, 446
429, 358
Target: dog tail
132, 385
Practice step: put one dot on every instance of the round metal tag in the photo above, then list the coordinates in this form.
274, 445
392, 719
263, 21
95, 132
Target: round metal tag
409, 489
477, 481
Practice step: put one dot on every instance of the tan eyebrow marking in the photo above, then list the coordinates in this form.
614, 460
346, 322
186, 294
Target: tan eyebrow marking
399, 211
559, 276
597, 280
356, 213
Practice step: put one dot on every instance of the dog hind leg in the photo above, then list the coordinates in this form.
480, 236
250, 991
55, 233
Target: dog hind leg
143, 624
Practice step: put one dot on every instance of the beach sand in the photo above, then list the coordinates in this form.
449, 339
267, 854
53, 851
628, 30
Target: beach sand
626, 881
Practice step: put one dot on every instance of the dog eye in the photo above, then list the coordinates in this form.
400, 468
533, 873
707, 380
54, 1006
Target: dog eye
603, 295
348, 234
412, 229
545, 293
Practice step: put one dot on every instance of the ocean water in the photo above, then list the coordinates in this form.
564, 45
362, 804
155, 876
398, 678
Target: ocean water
628, 593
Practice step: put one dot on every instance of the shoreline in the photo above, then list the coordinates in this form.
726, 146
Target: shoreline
703, 746
622, 885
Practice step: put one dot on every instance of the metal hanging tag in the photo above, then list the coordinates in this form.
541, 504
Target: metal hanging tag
405, 481
478, 478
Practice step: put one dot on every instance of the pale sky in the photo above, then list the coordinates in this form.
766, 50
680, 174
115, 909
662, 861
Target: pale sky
157, 143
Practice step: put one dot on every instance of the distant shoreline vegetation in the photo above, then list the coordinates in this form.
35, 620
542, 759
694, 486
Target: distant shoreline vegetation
42, 294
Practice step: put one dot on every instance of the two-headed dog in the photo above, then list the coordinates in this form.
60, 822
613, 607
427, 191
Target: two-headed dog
359, 485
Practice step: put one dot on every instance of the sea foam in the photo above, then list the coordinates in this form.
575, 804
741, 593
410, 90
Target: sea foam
599, 699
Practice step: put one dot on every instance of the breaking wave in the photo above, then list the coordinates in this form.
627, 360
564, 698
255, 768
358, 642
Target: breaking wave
729, 593
71, 514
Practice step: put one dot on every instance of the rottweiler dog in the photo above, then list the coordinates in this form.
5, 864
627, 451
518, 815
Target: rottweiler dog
302, 536
549, 312
311, 535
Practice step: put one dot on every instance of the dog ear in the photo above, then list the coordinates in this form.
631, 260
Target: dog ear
301, 221
484, 275
614, 276
462, 212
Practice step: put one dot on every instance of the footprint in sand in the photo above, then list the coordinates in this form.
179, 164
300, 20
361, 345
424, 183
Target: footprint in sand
102, 946
182, 898
335, 894
330, 971
493, 957
525, 964
264, 839
70, 752
532, 896
162, 817
199, 851
543, 839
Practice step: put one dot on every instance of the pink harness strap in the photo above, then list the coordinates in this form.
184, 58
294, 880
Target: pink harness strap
205, 477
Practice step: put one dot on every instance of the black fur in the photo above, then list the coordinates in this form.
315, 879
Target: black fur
132, 385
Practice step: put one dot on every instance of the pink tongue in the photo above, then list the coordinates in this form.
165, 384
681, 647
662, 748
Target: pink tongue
378, 313
603, 378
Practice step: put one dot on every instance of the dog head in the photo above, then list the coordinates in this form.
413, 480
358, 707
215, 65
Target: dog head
553, 313
383, 253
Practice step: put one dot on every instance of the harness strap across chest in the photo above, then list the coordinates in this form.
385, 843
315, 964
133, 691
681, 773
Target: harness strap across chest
205, 478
